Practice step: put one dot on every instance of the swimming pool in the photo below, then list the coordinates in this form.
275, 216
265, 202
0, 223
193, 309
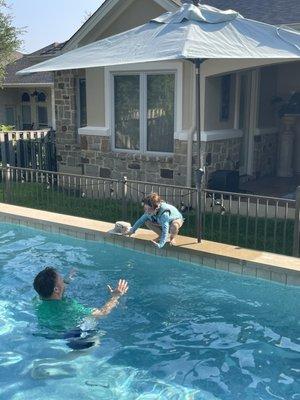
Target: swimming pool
182, 332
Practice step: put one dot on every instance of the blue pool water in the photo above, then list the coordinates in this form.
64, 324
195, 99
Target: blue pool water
182, 332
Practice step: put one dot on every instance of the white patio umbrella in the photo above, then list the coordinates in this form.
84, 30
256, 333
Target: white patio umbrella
193, 32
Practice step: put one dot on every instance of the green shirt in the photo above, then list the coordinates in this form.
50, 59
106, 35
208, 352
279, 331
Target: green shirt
61, 315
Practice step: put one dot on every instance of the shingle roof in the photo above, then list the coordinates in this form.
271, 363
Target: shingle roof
51, 49
276, 12
24, 62
27, 61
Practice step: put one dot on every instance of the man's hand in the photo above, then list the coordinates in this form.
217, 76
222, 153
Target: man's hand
120, 290
116, 293
71, 275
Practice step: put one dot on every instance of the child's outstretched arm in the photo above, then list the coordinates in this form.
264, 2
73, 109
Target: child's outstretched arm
140, 222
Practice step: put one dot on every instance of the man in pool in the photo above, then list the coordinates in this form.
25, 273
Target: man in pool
66, 316
160, 217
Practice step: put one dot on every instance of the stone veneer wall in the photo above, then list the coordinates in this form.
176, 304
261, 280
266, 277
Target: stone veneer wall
220, 154
265, 155
98, 160
68, 147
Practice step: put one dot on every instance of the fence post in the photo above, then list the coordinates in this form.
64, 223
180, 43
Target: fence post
296, 242
198, 181
124, 198
7, 184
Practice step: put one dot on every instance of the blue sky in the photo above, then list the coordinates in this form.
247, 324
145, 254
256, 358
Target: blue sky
48, 21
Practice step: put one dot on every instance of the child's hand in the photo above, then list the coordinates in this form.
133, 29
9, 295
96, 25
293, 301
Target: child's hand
128, 232
155, 243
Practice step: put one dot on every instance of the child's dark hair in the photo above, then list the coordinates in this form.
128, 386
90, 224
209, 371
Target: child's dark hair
152, 200
45, 281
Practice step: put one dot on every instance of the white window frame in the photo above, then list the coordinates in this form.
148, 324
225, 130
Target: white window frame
143, 70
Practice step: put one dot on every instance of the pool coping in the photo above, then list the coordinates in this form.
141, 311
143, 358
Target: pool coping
259, 264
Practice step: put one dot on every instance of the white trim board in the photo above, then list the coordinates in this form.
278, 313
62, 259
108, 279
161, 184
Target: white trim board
27, 85
94, 131
222, 134
105, 131
266, 131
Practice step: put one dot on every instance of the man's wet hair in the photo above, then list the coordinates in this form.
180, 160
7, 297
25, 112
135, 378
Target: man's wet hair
45, 281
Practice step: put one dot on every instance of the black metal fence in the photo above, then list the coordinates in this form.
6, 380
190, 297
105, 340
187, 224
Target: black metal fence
29, 149
257, 222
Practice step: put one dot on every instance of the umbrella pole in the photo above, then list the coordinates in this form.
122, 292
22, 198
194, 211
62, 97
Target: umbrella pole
199, 172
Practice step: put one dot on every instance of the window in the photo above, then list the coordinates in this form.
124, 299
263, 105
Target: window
10, 115
144, 112
25, 97
225, 98
26, 116
82, 102
41, 97
42, 116
160, 113
127, 112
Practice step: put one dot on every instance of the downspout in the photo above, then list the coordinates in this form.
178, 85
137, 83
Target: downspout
53, 116
189, 161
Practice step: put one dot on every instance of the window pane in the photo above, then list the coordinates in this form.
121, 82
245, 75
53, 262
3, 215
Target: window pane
42, 116
10, 115
160, 112
127, 112
26, 117
82, 102
41, 97
25, 97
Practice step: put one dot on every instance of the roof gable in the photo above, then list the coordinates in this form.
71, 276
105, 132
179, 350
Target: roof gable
104, 14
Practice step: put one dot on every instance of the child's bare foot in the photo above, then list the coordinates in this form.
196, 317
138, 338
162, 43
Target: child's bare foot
172, 242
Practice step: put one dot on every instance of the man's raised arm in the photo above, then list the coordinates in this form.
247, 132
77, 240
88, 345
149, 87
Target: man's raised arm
116, 293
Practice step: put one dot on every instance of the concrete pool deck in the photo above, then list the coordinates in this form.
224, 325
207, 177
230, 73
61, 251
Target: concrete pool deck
259, 264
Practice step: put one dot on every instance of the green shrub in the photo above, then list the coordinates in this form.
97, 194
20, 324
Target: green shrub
6, 128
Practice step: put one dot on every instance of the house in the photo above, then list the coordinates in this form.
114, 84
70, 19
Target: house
27, 102
138, 121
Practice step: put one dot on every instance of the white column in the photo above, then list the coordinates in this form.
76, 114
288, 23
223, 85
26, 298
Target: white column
254, 107
286, 148
297, 147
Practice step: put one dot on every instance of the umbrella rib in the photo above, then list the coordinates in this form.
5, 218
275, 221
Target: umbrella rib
285, 40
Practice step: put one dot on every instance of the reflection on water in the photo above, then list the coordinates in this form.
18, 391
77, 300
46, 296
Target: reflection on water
183, 332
